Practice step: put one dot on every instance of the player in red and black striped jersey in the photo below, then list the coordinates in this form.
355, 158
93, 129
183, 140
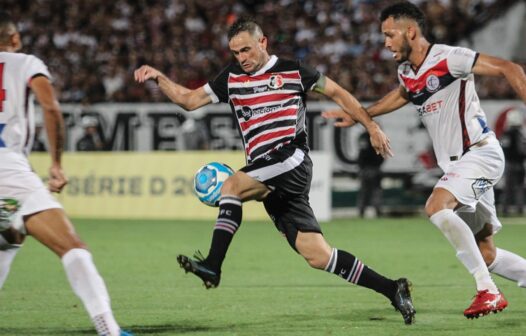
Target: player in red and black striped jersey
267, 95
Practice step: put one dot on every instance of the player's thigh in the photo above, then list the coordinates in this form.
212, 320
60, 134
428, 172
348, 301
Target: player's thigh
53, 229
245, 187
291, 215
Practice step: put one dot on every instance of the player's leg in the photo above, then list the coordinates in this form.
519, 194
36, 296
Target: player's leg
464, 187
53, 229
295, 219
499, 261
237, 189
484, 223
439, 208
10, 243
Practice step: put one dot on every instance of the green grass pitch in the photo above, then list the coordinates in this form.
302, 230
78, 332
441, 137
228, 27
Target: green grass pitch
266, 289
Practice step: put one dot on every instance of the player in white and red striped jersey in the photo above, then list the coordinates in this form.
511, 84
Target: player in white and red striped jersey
26, 205
439, 81
267, 95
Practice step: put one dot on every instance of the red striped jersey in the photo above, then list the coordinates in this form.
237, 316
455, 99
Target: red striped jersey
269, 105
17, 120
443, 91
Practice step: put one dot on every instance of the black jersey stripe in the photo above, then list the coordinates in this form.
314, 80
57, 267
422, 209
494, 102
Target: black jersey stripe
268, 147
250, 90
275, 125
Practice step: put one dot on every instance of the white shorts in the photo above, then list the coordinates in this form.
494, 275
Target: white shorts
471, 180
19, 182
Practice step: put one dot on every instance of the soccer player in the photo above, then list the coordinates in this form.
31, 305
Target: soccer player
26, 205
267, 95
439, 80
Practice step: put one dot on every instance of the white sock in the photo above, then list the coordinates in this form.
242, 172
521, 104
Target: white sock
6, 259
510, 266
462, 239
90, 288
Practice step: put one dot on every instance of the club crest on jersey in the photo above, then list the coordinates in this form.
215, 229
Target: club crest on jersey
480, 186
432, 83
275, 82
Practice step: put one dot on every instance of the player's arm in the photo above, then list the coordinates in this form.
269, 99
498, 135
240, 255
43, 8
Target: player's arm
486, 65
389, 103
54, 123
352, 107
182, 96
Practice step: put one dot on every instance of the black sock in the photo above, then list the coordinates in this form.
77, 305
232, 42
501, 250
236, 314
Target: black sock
228, 221
353, 270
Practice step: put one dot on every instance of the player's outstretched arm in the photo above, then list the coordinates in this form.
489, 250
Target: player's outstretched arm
493, 66
389, 103
351, 106
182, 96
54, 123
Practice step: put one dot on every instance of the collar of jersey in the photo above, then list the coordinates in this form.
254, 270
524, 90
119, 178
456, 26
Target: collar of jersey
273, 59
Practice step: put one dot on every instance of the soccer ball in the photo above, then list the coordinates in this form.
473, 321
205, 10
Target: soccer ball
208, 181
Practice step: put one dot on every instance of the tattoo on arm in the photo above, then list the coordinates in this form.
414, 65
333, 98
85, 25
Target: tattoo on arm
320, 85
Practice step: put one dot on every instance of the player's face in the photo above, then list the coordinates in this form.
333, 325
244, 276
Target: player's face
250, 52
395, 39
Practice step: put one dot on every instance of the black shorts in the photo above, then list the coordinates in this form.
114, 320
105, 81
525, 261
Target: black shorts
288, 173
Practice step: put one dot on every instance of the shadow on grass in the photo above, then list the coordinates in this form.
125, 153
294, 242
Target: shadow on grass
167, 329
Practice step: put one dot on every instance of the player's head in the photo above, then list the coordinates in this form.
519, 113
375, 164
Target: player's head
248, 44
9, 37
403, 24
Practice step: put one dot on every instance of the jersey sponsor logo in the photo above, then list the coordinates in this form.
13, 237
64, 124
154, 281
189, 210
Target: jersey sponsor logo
275, 82
480, 186
248, 112
432, 83
430, 108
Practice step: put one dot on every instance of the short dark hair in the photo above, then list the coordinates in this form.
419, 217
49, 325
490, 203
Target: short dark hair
7, 26
244, 24
405, 10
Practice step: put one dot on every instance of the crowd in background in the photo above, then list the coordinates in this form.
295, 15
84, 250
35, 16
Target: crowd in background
93, 46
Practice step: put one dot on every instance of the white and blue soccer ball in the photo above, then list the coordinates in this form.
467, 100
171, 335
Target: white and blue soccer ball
208, 181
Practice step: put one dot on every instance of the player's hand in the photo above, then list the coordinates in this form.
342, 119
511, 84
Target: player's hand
57, 179
146, 72
343, 119
380, 141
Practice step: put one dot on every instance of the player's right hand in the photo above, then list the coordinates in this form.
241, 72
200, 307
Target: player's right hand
343, 119
146, 72
57, 179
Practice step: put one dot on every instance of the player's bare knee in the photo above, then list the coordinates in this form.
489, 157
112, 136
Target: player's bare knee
231, 186
432, 208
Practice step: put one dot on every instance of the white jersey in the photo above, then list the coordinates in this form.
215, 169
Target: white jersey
443, 91
17, 120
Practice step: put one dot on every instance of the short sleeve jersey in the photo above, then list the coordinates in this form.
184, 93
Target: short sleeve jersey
269, 105
17, 120
443, 91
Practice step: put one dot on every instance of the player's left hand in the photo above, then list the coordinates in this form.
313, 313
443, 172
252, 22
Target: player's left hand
380, 142
57, 179
343, 119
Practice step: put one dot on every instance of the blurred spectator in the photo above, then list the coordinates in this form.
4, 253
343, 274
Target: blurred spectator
38, 144
195, 135
92, 47
513, 143
370, 175
91, 140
